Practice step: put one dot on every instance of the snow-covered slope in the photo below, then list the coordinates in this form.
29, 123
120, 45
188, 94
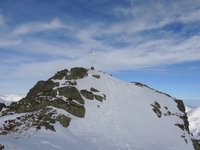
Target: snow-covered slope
116, 115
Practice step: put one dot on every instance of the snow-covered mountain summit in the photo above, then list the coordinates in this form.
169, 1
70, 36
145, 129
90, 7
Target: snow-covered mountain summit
88, 109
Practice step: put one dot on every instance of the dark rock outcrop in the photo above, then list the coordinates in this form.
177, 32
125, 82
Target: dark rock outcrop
185, 126
184, 117
156, 108
2, 105
1, 147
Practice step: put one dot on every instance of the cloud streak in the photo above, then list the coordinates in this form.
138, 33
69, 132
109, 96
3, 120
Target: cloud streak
9, 43
148, 53
39, 27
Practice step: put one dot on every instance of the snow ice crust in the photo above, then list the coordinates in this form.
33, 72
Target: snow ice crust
124, 121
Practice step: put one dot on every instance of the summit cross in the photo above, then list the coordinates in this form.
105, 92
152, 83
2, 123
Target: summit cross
93, 57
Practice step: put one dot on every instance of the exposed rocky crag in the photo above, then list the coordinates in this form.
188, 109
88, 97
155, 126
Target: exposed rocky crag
40, 108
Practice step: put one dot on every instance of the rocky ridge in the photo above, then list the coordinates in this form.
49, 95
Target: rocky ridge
41, 107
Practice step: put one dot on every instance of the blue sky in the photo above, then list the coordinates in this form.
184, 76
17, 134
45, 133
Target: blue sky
151, 41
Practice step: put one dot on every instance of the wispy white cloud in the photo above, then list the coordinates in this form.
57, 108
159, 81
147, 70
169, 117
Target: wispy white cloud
153, 15
144, 54
153, 53
9, 42
40, 26
191, 17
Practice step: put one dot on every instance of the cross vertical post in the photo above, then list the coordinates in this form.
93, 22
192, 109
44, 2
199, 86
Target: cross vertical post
93, 57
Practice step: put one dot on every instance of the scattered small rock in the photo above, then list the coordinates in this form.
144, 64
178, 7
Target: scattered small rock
1, 147
94, 90
96, 76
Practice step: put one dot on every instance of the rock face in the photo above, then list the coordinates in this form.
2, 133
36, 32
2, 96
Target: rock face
86, 109
2, 105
